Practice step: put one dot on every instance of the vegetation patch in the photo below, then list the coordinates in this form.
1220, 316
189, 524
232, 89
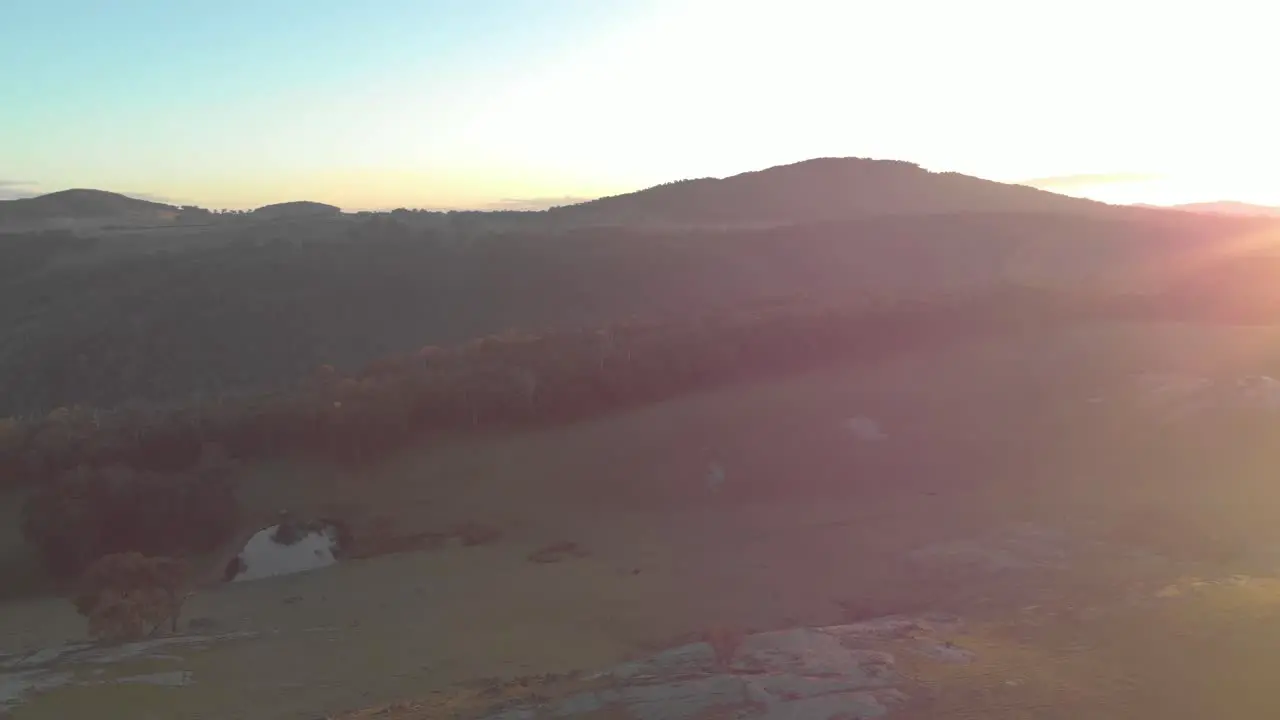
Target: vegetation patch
127, 596
506, 381
89, 513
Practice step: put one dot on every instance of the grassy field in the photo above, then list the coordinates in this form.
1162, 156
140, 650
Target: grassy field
810, 526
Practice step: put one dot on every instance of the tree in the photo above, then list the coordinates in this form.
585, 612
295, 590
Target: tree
192, 214
127, 596
91, 512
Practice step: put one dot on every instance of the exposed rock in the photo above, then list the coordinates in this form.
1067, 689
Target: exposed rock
174, 678
801, 674
272, 552
51, 668
14, 687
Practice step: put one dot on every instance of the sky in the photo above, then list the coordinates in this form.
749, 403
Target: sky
527, 103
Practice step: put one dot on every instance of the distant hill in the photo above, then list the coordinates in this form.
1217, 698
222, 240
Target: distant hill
199, 309
821, 190
1224, 207
237, 305
82, 208
298, 208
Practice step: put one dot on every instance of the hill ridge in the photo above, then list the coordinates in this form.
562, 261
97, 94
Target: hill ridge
82, 205
820, 189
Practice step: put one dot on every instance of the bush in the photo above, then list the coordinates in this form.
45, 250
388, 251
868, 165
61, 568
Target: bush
128, 595
90, 512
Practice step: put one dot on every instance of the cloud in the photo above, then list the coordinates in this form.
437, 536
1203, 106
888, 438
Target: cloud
15, 189
534, 203
1067, 182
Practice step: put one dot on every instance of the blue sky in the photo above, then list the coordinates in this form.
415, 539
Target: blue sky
472, 103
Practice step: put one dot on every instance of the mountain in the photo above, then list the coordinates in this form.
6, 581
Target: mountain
820, 190
82, 208
298, 208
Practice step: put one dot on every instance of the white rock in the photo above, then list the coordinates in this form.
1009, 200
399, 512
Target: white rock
801, 674
51, 668
263, 557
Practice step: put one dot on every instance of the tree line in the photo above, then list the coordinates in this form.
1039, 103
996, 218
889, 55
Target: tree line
503, 381
155, 481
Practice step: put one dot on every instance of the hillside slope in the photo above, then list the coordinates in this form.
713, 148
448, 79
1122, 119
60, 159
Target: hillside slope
819, 190
1231, 208
248, 310
297, 208
79, 208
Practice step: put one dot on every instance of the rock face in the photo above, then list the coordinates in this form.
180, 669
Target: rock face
83, 664
800, 674
283, 550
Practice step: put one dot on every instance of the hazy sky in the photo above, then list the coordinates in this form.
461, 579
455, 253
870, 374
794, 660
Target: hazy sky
451, 103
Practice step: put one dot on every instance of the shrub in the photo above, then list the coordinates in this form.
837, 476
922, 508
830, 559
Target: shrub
128, 595
89, 513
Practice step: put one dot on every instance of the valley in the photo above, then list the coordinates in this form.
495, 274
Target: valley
565, 441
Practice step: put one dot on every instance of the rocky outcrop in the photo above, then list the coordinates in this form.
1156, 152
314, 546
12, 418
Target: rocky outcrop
84, 664
800, 674
284, 549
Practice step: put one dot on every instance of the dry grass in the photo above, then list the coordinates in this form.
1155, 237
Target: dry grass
1209, 652
807, 517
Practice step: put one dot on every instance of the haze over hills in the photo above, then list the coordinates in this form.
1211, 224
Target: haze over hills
818, 190
228, 301
1222, 207
88, 210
